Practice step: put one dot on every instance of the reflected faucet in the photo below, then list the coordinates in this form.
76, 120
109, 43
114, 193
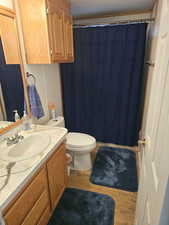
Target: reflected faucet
14, 140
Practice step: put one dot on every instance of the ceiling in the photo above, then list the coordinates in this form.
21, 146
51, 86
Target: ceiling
94, 7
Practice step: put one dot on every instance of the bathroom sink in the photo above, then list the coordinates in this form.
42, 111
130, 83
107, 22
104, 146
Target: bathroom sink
27, 148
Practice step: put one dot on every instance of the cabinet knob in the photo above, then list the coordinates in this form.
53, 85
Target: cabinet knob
47, 10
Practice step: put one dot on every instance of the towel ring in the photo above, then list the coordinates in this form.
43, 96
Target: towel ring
31, 75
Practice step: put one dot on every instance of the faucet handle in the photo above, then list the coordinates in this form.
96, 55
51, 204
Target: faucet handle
21, 137
14, 140
10, 138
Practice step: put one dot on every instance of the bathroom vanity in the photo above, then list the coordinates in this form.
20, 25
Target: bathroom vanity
30, 196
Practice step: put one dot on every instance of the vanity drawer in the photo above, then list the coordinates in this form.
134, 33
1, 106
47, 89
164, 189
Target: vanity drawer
45, 217
35, 214
27, 200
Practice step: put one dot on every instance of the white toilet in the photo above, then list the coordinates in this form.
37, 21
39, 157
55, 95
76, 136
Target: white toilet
79, 145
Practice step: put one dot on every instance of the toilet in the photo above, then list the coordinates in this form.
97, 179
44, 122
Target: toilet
79, 145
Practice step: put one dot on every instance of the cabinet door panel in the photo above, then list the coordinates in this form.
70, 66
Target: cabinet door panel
35, 31
69, 40
8, 35
54, 5
56, 35
66, 7
45, 217
37, 211
30, 196
56, 174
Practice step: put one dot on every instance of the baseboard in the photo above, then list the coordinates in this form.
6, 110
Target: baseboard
134, 148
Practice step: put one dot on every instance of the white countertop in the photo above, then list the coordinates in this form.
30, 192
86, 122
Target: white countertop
24, 170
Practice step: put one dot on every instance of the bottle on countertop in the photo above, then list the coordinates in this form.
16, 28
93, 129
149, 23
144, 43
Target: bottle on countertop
26, 123
16, 116
52, 108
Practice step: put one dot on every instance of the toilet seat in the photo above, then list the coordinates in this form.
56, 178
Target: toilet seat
80, 142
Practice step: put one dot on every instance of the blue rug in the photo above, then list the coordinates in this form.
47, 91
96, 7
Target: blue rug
78, 207
116, 168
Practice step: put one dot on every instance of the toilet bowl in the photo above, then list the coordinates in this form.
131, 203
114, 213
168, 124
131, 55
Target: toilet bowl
79, 145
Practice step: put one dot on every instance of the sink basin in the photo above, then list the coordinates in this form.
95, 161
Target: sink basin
27, 148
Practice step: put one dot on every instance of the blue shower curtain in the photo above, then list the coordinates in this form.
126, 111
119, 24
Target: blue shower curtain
12, 87
102, 89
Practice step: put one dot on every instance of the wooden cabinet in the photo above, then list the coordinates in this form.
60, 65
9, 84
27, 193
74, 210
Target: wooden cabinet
47, 38
8, 36
34, 204
56, 174
30, 205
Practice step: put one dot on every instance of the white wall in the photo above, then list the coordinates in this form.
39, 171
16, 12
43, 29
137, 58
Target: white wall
151, 46
53, 87
48, 85
7, 3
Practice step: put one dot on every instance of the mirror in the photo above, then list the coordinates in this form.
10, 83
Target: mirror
11, 91
13, 85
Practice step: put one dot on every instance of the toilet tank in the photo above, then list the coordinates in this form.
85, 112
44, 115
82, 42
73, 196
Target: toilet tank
58, 122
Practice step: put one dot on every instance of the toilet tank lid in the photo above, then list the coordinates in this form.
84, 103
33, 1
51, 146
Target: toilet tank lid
79, 139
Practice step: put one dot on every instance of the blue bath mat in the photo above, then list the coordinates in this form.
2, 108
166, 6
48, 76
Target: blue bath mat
116, 168
78, 207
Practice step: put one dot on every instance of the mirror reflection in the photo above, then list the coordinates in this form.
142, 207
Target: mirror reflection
11, 92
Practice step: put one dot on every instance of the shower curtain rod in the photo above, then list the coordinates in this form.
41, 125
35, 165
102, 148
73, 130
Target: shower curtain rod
121, 22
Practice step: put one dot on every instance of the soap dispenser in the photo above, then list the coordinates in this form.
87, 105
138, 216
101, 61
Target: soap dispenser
26, 124
16, 116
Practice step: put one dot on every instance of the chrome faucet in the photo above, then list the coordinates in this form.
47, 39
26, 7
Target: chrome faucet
14, 140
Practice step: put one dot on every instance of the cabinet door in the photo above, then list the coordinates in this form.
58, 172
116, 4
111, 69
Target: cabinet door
56, 35
69, 40
66, 7
57, 175
30, 205
8, 35
35, 31
55, 5
45, 217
